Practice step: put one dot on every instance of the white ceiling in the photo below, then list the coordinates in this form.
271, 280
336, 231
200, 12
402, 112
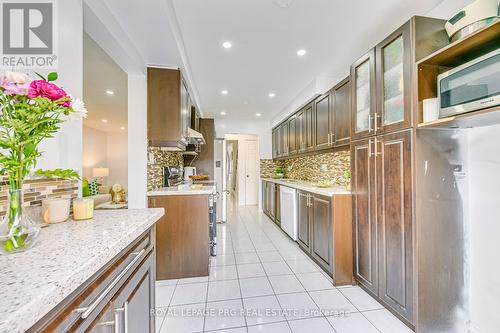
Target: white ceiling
100, 73
265, 35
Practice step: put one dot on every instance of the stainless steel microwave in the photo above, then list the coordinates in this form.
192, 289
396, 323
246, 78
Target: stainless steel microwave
471, 86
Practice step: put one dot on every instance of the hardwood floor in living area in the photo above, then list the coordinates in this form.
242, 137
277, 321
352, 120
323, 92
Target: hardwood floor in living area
261, 281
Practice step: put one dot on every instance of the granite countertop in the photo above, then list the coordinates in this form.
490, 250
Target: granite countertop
67, 254
309, 187
185, 189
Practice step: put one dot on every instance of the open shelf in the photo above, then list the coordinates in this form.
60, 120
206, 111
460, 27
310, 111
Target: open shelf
470, 47
486, 117
455, 54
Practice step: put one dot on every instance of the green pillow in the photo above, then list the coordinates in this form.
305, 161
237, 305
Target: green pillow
85, 188
94, 187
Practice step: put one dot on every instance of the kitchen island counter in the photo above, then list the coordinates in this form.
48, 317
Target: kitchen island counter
66, 255
186, 189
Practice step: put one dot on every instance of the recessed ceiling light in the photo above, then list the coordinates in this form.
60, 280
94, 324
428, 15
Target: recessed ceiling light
272, 95
301, 52
104, 121
123, 128
258, 114
110, 92
224, 92
223, 113
227, 45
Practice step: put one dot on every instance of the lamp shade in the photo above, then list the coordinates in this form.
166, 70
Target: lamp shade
100, 172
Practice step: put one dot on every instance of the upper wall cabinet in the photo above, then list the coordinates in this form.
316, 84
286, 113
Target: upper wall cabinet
393, 68
382, 80
168, 105
322, 125
341, 119
363, 95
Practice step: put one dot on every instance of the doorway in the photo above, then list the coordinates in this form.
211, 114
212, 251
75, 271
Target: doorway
242, 151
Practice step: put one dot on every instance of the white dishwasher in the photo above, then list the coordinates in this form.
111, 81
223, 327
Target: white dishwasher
288, 199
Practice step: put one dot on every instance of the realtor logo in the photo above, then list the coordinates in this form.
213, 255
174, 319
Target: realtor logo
28, 34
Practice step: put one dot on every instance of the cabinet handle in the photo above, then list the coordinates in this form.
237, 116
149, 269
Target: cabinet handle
370, 123
87, 311
378, 120
329, 139
370, 150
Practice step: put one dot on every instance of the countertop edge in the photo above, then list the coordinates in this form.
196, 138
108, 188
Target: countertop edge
329, 192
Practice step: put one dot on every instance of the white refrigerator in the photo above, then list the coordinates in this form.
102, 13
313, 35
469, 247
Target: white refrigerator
220, 178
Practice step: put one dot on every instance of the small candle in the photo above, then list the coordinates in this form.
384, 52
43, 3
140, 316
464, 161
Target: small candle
55, 210
83, 209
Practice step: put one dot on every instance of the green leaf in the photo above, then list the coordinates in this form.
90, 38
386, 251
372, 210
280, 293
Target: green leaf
52, 76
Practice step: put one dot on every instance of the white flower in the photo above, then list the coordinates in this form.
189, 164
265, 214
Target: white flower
80, 111
19, 78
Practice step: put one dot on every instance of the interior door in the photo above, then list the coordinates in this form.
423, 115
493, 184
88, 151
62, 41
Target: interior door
364, 223
395, 216
309, 126
342, 113
292, 138
252, 159
322, 121
303, 220
322, 231
393, 66
363, 96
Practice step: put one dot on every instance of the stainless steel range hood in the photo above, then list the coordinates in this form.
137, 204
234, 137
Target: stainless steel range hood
195, 137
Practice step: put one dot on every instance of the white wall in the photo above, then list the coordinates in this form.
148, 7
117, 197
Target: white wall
117, 151
261, 128
109, 150
94, 150
484, 155
65, 150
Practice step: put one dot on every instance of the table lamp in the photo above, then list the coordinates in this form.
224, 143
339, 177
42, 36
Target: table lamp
100, 173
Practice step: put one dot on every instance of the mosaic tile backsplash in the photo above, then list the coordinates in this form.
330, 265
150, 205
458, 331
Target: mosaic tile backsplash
157, 160
37, 189
309, 168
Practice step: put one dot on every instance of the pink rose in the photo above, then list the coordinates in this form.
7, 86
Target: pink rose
47, 90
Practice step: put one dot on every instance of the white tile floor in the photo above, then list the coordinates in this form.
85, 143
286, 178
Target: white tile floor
262, 282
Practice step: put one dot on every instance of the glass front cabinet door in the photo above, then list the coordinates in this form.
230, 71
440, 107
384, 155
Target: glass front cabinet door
393, 67
363, 96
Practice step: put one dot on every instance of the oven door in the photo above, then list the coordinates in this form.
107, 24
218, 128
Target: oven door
470, 87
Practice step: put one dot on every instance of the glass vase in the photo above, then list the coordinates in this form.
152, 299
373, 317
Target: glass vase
18, 232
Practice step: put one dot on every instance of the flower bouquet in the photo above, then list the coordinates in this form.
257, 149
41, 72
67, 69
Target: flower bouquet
30, 111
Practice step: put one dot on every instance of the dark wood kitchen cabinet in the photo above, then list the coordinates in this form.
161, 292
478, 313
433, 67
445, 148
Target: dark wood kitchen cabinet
325, 233
383, 79
308, 122
323, 121
363, 92
383, 219
364, 219
121, 294
271, 204
292, 136
181, 236
321, 232
341, 118
300, 131
303, 212
168, 100
395, 220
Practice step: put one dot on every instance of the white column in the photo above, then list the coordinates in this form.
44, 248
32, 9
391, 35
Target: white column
137, 141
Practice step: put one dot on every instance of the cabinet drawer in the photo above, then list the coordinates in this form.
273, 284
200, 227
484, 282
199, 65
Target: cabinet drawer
82, 307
